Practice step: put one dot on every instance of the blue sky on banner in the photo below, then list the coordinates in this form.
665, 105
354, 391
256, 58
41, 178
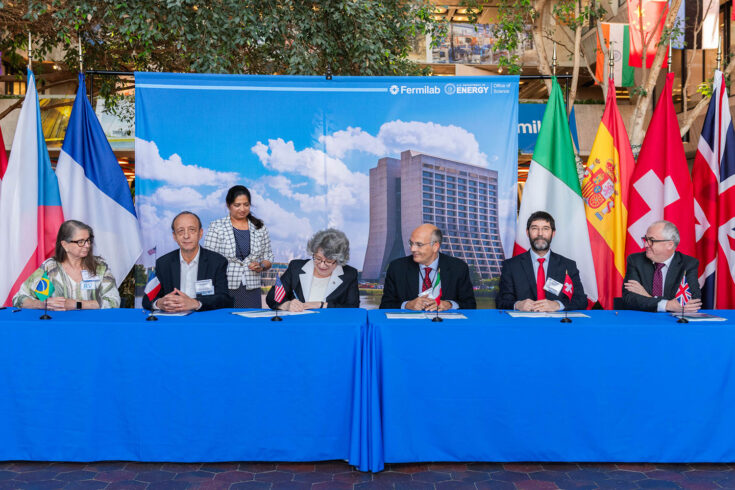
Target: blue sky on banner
304, 146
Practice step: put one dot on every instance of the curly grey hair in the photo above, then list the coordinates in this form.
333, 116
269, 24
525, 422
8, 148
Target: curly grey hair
333, 244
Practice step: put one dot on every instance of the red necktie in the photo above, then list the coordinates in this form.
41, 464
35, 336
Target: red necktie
658, 281
540, 280
427, 281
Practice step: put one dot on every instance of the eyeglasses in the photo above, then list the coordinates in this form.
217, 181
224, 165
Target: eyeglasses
81, 243
327, 262
650, 240
540, 229
419, 244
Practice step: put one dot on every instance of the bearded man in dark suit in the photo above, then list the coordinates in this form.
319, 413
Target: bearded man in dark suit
533, 280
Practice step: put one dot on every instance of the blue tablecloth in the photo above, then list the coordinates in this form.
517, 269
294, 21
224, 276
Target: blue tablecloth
627, 386
107, 385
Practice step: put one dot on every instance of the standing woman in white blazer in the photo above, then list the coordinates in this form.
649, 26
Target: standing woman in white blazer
243, 239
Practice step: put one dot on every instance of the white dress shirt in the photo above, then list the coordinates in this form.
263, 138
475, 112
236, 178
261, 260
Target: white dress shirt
189, 275
535, 263
661, 307
318, 291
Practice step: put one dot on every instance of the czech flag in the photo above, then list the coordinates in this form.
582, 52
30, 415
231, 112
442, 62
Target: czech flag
94, 189
30, 205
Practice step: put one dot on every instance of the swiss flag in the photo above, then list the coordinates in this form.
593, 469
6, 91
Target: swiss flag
661, 187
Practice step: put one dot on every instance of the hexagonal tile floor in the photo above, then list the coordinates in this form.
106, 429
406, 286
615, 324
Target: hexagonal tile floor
338, 475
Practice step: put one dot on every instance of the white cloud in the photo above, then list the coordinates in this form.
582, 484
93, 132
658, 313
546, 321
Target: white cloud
340, 187
341, 142
150, 165
186, 198
451, 142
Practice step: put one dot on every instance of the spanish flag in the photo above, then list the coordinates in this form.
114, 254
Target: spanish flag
44, 288
605, 192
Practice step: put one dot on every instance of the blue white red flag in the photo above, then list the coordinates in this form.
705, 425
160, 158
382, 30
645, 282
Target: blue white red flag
30, 206
279, 293
94, 189
683, 293
153, 286
714, 202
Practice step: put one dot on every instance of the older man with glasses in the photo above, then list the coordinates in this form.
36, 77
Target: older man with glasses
412, 282
652, 277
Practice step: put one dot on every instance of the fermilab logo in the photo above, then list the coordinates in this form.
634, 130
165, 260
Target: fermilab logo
406, 90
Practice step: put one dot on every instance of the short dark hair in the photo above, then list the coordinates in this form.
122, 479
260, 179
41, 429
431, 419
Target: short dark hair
237, 191
437, 236
543, 216
181, 214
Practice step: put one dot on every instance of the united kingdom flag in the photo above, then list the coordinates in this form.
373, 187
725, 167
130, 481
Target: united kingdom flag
714, 202
683, 293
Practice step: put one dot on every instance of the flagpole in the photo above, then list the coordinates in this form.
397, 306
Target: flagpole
437, 318
30, 62
566, 318
45, 315
611, 62
81, 64
719, 51
553, 60
668, 66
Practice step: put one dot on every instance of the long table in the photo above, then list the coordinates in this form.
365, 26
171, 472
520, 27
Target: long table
351, 384
619, 386
108, 385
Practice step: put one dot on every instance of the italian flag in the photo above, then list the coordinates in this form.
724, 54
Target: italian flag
553, 186
618, 36
436, 289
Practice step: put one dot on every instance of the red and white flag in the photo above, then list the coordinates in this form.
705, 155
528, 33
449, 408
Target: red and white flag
279, 292
568, 288
714, 202
661, 187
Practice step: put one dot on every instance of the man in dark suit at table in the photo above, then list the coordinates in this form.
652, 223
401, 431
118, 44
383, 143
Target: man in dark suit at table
192, 278
409, 280
533, 280
652, 277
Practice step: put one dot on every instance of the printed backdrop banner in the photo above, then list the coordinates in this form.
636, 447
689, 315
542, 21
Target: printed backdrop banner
316, 153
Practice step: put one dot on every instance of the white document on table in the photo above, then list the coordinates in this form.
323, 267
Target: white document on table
270, 313
165, 313
545, 314
424, 315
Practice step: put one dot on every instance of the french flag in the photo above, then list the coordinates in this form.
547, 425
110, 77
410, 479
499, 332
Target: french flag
153, 286
94, 189
30, 205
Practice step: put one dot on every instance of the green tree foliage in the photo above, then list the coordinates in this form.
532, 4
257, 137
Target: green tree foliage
348, 37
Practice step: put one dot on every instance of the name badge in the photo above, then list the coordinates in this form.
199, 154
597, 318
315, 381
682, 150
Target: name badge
204, 287
553, 286
86, 276
90, 284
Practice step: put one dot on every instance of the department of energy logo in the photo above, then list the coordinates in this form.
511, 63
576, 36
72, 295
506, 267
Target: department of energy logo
394, 89
450, 89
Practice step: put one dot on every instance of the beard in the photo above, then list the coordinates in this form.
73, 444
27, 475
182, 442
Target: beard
540, 244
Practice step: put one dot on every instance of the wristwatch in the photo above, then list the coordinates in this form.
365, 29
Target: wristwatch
79, 305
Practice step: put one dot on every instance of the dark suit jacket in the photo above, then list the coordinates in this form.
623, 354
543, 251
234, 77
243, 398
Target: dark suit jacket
640, 268
342, 291
211, 266
402, 282
518, 281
